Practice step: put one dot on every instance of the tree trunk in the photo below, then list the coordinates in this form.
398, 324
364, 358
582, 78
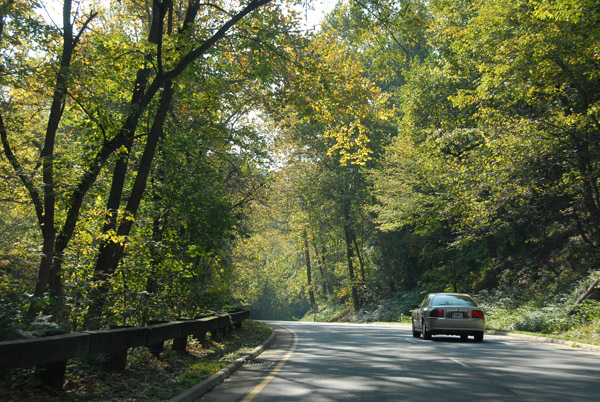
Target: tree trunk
111, 252
454, 275
49, 276
311, 293
49, 273
349, 256
590, 290
321, 260
155, 256
361, 262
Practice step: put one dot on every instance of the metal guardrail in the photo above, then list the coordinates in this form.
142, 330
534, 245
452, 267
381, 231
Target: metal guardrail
51, 353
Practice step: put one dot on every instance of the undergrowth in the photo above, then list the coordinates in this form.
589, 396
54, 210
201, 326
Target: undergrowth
396, 309
563, 318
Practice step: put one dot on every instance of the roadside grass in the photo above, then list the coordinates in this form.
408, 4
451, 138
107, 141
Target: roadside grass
146, 377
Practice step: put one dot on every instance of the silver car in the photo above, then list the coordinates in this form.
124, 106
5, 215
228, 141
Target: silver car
448, 314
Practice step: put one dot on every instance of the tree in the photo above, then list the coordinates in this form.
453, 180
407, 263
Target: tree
269, 263
153, 73
492, 127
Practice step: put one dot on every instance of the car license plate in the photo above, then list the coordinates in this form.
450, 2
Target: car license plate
457, 314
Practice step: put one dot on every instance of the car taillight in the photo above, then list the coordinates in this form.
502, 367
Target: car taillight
438, 312
477, 314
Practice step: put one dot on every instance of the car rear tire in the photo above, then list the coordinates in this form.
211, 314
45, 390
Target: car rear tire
415, 333
479, 337
426, 334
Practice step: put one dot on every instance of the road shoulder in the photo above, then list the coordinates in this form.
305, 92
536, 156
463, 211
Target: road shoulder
203, 387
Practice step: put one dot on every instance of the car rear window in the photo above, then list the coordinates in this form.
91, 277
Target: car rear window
452, 300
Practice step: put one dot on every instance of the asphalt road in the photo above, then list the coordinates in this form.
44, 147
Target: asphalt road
347, 362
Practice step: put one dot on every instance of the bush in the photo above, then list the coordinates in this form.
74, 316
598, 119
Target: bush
551, 319
587, 312
12, 305
536, 315
327, 314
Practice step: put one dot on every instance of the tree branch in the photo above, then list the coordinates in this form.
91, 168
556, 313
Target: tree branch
210, 42
385, 25
25, 179
77, 38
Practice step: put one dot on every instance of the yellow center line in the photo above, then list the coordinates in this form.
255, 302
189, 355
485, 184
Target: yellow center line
257, 390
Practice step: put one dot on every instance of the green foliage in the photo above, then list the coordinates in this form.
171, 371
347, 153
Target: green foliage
587, 312
479, 176
333, 313
551, 319
396, 309
11, 314
440, 145
170, 250
544, 314
268, 268
492, 127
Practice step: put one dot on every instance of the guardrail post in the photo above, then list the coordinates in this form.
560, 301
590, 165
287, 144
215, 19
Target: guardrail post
53, 374
205, 325
238, 317
180, 344
155, 347
116, 361
201, 337
187, 328
114, 344
224, 323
